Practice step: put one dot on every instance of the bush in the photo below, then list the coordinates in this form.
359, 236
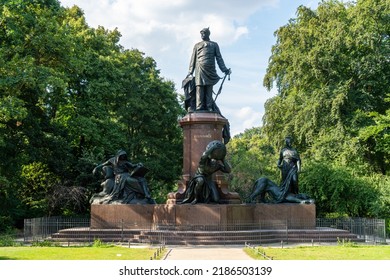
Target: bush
45, 243
97, 243
6, 224
339, 189
6, 241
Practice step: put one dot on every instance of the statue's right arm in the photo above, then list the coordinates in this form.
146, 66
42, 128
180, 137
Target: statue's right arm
192, 62
226, 166
280, 160
204, 157
97, 168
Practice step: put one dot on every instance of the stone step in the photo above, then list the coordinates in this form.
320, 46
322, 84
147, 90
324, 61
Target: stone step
203, 237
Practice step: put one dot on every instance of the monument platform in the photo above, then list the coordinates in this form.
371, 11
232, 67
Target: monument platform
205, 224
204, 216
173, 222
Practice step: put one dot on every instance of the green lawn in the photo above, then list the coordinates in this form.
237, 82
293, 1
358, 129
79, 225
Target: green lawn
357, 252
76, 253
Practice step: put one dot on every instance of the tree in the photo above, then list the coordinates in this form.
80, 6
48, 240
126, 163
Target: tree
34, 55
339, 190
251, 157
331, 68
71, 96
377, 136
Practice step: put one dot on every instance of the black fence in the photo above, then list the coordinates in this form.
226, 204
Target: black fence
38, 229
78, 230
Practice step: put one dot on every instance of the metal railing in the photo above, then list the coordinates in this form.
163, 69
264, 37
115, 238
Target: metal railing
371, 230
298, 231
38, 229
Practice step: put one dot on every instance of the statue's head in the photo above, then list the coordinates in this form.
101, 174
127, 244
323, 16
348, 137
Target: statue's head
121, 155
205, 33
288, 140
217, 150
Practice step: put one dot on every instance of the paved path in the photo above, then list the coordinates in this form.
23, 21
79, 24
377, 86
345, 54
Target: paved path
206, 253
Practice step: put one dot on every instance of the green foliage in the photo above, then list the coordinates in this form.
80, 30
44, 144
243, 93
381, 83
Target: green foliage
251, 157
80, 97
45, 243
330, 67
376, 135
381, 185
38, 180
346, 243
6, 223
8, 240
338, 189
97, 243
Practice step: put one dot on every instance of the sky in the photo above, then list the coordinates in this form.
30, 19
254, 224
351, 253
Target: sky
168, 30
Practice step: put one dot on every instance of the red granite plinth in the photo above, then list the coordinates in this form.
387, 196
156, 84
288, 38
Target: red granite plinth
199, 129
285, 215
211, 216
111, 216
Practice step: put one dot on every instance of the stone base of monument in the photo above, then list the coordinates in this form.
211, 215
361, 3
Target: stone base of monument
205, 216
204, 224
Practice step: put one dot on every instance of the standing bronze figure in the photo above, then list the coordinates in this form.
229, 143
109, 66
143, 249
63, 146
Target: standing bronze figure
290, 165
203, 58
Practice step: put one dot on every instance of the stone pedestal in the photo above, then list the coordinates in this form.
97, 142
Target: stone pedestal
199, 129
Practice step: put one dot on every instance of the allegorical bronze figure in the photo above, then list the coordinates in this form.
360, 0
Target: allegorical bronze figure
202, 188
276, 194
289, 163
124, 182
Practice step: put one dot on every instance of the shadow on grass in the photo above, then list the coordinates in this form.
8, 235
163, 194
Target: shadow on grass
2, 258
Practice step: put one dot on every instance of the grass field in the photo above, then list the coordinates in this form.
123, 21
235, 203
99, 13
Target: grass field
77, 253
356, 252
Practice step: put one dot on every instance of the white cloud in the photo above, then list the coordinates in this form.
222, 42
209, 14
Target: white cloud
241, 31
144, 24
244, 118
